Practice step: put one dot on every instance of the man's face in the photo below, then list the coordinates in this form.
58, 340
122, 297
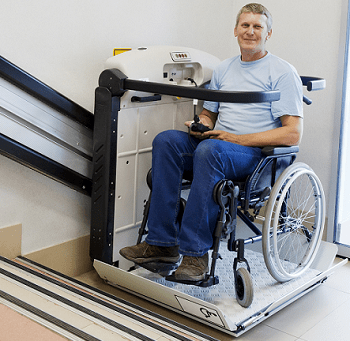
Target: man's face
251, 33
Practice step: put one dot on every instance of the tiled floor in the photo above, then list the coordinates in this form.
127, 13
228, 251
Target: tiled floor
322, 314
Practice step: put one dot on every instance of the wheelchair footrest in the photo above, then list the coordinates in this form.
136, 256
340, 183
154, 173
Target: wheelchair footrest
207, 282
161, 268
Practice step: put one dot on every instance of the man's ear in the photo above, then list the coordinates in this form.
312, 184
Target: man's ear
235, 32
269, 34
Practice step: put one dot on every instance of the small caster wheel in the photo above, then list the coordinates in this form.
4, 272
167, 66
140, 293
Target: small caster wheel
244, 288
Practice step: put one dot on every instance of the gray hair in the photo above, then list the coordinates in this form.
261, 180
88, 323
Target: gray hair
257, 9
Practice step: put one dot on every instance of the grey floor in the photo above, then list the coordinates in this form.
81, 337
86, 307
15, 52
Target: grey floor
323, 314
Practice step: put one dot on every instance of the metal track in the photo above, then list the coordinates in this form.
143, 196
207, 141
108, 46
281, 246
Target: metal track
44, 130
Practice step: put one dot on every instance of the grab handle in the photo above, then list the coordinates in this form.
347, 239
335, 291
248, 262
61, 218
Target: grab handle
313, 83
146, 98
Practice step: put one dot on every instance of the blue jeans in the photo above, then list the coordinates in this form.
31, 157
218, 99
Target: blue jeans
210, 160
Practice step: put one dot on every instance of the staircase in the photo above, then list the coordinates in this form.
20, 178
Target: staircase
77, 311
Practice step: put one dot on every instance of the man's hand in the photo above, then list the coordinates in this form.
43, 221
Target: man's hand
196, 134
221, 135
205, 120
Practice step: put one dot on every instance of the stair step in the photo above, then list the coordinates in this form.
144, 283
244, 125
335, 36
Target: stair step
79, 310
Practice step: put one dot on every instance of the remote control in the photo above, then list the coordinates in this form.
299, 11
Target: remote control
199, 127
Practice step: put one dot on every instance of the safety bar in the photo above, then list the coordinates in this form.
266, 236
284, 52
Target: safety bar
118, 83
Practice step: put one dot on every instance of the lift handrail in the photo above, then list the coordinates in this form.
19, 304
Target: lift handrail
118, 83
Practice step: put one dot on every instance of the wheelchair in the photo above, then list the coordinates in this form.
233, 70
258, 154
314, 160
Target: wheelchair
293, 201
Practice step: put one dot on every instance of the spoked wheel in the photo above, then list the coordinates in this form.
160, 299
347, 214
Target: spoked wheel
294, 222
244, 287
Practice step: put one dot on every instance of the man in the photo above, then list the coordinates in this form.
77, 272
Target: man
232, 149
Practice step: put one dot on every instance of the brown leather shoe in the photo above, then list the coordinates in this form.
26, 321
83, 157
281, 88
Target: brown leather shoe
145, 253
192, 268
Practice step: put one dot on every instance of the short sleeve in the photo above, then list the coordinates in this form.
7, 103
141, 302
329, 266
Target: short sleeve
291, 101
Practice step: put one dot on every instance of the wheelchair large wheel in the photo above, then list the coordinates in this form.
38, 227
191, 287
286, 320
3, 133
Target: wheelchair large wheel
294, 222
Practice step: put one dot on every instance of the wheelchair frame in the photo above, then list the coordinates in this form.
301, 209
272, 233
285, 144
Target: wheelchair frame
234, 199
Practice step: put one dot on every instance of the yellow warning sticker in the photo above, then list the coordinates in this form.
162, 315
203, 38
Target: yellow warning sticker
120, 50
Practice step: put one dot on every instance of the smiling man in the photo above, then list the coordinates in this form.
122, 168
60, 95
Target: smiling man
231, 149
252, 32
255, 70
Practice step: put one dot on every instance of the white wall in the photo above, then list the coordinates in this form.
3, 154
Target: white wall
65, 43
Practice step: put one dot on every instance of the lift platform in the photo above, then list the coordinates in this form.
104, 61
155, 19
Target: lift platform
126, 121
217, 306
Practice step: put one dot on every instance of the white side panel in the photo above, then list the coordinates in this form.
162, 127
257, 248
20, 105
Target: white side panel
137, 127
142, 193
140, 122
152, 120
127, 130
124, 201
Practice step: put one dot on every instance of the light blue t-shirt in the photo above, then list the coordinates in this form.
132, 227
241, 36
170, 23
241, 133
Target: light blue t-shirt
265, 74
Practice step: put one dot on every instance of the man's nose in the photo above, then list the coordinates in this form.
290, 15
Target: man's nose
250, 30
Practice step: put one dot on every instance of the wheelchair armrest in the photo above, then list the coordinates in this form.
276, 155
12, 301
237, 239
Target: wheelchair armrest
313, 83
269, 151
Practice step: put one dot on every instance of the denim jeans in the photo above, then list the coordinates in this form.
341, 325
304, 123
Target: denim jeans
210, 160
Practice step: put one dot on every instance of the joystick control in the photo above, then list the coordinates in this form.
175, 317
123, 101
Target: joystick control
198, 127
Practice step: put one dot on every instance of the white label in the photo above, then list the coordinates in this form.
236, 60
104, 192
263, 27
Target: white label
203, 312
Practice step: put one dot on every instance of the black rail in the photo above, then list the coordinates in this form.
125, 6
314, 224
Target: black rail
44, 93
29, 157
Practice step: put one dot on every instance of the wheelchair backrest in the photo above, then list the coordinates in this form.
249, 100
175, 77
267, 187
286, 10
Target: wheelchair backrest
266, 174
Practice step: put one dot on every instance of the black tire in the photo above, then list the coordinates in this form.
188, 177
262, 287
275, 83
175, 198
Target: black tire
244, 288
